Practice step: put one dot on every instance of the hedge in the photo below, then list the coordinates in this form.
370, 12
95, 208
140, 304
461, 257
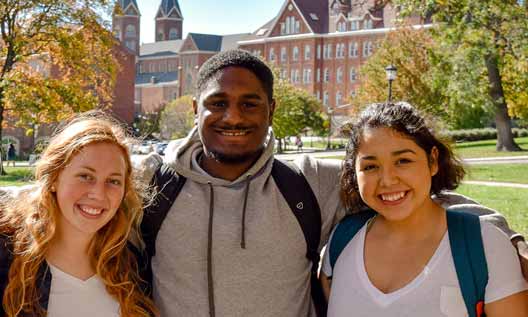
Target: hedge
481, 134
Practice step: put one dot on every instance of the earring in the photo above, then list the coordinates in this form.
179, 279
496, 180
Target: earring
53, 189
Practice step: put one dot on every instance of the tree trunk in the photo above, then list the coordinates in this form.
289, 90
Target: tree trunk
2, 171
505, 140
279, 148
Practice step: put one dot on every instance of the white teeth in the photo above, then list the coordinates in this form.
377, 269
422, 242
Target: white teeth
392, 197
238, 133
90, 210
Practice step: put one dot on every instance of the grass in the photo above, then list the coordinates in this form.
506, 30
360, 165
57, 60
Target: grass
16, 176
511, 202
512, 173
486, 148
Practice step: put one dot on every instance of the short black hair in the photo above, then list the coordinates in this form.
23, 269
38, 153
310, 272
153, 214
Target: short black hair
236, 58
406, 120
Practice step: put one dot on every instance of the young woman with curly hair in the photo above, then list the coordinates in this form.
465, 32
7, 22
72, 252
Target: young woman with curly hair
65, 247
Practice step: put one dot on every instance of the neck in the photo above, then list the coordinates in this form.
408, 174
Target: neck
70, 254
428, 221
226, 170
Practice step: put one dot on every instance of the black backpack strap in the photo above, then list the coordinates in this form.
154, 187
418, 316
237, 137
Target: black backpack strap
302, 201
167, 185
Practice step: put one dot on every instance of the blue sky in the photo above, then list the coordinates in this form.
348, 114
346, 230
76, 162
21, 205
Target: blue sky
212, 16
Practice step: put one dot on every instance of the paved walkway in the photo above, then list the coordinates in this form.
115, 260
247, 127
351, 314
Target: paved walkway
496, 184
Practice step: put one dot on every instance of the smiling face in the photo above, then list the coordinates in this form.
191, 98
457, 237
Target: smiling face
90, 189
393, 173
234, 114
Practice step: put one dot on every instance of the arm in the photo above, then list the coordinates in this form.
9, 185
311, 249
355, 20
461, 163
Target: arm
326, 283
515, 305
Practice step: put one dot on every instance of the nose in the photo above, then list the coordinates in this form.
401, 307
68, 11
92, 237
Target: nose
388, 176
233, 114
97, 191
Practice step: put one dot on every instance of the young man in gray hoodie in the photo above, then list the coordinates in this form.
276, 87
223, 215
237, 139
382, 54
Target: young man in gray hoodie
230, 245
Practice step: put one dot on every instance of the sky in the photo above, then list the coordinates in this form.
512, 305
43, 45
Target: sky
212, 16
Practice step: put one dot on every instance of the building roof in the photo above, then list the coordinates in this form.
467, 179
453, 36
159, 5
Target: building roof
147, 78
230, 41
311, 9
162, 48
207, 42
125, 3
168, 5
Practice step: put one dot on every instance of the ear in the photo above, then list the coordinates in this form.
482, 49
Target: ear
433, 161
195, 106
271, 111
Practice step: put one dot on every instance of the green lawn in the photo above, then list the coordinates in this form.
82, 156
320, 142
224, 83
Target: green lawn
16, 176
511, 202
513, 173
487, 148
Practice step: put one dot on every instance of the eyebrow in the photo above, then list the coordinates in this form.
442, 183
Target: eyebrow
224, 95
395, 153
91, 169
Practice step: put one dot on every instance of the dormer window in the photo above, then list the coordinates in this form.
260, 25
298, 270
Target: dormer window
173, 34
367, 24
354, 25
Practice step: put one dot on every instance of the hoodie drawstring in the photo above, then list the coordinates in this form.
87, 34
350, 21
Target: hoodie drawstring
210, 286
243, 233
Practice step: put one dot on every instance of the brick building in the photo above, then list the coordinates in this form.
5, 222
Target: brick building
318, 45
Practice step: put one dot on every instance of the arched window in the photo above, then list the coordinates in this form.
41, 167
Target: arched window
295, 53
130, 31
326, 77
325, 98
173, 34
353, 75
338, 98
339, 75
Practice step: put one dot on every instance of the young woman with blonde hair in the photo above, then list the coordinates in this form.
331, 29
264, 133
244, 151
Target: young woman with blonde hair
64, 247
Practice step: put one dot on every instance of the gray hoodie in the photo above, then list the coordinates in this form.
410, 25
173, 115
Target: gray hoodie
271, 275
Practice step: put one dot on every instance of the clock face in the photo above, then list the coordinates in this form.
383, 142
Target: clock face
290, 7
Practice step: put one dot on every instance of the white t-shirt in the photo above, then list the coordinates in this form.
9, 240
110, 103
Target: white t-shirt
433, 293
70, 296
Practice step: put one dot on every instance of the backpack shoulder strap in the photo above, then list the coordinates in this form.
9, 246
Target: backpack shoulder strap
167, 184
467, 249
345, 231
302, 201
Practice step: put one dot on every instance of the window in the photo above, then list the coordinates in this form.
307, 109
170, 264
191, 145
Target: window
173, 34
329, 50
352, 49
340, 50
353, 75
130, 31
318, 95
326, 75
318, 75
307, 76
283, 74
354, 25
339, 75
367, 48
297, 26
117, 32
295, 76
291, 26
338, 98
131, 44
282, 28
284, 54
319, 51
325, 98
295, 53
307, 52
367, 24
352, 93
271, 54
159, 36
341, 27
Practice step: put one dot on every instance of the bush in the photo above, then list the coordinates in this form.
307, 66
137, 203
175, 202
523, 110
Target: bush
480, 134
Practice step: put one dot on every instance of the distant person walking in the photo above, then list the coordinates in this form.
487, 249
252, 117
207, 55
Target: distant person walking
299, 143
11, 154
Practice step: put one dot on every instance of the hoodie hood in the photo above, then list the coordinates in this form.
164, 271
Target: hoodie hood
180, 156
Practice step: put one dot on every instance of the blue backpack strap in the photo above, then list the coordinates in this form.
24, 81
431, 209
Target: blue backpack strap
345, 231
302, 201
467, 249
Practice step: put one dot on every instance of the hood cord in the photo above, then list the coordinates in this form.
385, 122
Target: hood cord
243, 233
210, 286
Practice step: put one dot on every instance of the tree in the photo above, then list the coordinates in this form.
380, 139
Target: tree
295, 110
56, 58
177, 118
488, 35
428, 77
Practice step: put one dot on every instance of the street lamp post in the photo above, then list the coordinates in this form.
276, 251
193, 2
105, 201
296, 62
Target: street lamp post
391, 76
180, 81
330, 111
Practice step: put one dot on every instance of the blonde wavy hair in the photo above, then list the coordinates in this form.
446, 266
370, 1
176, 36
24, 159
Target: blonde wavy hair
31, 224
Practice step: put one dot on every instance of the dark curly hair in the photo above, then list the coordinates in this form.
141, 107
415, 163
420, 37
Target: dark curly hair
407, 120
236, 58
